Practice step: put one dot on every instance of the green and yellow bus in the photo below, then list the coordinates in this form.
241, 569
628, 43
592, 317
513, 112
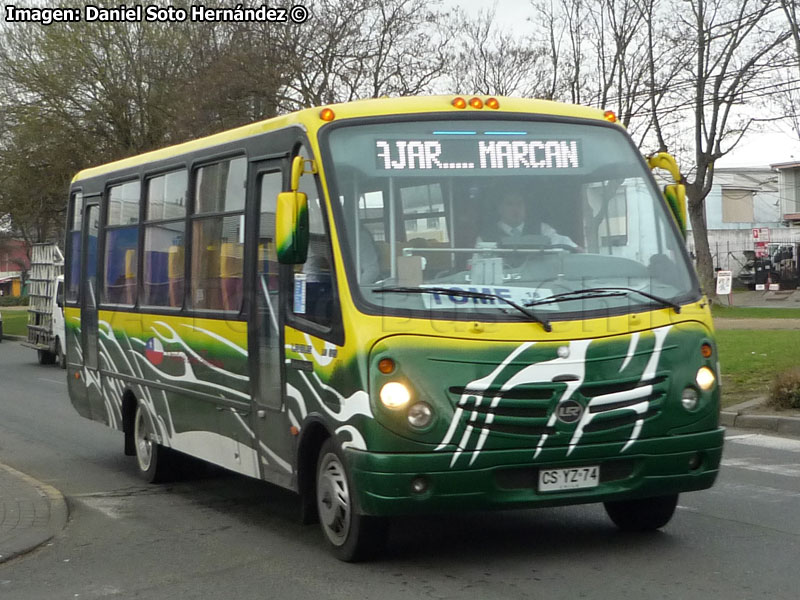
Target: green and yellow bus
338, 302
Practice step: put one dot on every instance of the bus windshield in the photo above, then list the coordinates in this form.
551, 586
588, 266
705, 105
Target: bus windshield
477, 218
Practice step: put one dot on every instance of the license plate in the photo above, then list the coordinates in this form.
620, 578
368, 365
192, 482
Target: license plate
575, 478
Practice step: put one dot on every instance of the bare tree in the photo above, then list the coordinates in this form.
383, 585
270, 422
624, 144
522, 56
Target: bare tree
366, 49
492, 61
732, 46
791, 78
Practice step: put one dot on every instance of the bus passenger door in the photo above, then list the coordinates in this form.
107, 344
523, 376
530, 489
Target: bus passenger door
265, 351
89, 333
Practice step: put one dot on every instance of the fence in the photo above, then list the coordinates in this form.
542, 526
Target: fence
728, 250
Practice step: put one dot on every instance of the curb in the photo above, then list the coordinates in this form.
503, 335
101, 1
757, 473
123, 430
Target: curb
15, 338
43, 508
785, 425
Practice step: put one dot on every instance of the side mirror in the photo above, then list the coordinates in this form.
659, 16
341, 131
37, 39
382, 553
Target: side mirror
291, 228
291, 218
675, 195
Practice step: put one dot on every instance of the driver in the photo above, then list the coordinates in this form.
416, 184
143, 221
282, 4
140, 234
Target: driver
512, 223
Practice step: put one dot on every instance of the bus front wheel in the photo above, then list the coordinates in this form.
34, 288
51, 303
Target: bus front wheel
151, 457
351, 536
644, 514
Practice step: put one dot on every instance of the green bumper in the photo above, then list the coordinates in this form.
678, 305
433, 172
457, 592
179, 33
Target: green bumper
508, 478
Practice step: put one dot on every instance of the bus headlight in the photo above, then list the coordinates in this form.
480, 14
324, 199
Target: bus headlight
705, 378
420, 415
395, 395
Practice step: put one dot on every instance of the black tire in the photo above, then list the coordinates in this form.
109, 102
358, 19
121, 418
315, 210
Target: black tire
46, 357
351, 536
61, 358
152, 459
645, 514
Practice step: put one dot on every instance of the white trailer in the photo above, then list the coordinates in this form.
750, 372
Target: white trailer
45, 310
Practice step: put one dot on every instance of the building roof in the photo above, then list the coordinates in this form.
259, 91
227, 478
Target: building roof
786, 165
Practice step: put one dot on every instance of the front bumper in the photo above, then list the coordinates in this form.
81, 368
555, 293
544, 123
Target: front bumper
508, 478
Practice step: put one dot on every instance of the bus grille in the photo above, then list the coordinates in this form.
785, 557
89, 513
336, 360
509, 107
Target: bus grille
527, 410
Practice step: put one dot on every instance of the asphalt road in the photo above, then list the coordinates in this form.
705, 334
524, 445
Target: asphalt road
217, 535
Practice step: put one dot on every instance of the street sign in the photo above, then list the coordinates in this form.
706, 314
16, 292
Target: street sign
724, 282
761, 234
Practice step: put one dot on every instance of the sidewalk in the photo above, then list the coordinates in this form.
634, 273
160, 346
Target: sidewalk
754, 414
31, 513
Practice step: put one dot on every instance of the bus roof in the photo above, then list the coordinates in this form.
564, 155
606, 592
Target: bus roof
310, 119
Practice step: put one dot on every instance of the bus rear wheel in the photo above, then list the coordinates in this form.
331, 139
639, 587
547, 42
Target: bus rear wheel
644, 514
351, 536
151, 457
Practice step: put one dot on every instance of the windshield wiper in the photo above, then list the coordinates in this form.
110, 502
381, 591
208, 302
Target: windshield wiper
466, 294
604, 292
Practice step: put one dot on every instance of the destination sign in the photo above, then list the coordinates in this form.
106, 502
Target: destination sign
476, 154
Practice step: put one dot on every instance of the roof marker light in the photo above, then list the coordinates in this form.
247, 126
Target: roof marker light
493, 103
476, 102
459, 102
610, 116
327, 114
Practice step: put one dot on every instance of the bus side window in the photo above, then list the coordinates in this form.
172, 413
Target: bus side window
316, 274
218, 235
73, 271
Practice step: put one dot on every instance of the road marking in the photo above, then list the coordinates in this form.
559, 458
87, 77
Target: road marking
765, 441
52, 380
746, 491
113, 508
791, 470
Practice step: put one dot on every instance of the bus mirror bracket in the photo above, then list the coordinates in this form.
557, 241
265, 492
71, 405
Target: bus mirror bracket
674, 193
301, 166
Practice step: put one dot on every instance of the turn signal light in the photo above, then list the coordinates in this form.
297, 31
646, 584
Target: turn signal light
476, 102
326, 114
610, 116
459, 102
386, 365
706, 351
493, 103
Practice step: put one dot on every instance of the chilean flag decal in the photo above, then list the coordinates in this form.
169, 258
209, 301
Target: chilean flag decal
154, 351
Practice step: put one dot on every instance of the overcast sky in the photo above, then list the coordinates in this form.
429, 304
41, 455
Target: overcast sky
757, 149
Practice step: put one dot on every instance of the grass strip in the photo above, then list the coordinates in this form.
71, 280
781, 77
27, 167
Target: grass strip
750, 359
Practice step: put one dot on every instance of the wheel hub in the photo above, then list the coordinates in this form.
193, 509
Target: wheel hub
144, 445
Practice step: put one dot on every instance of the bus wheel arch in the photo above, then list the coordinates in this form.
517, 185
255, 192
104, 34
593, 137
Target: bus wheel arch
312, 436
128, 416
